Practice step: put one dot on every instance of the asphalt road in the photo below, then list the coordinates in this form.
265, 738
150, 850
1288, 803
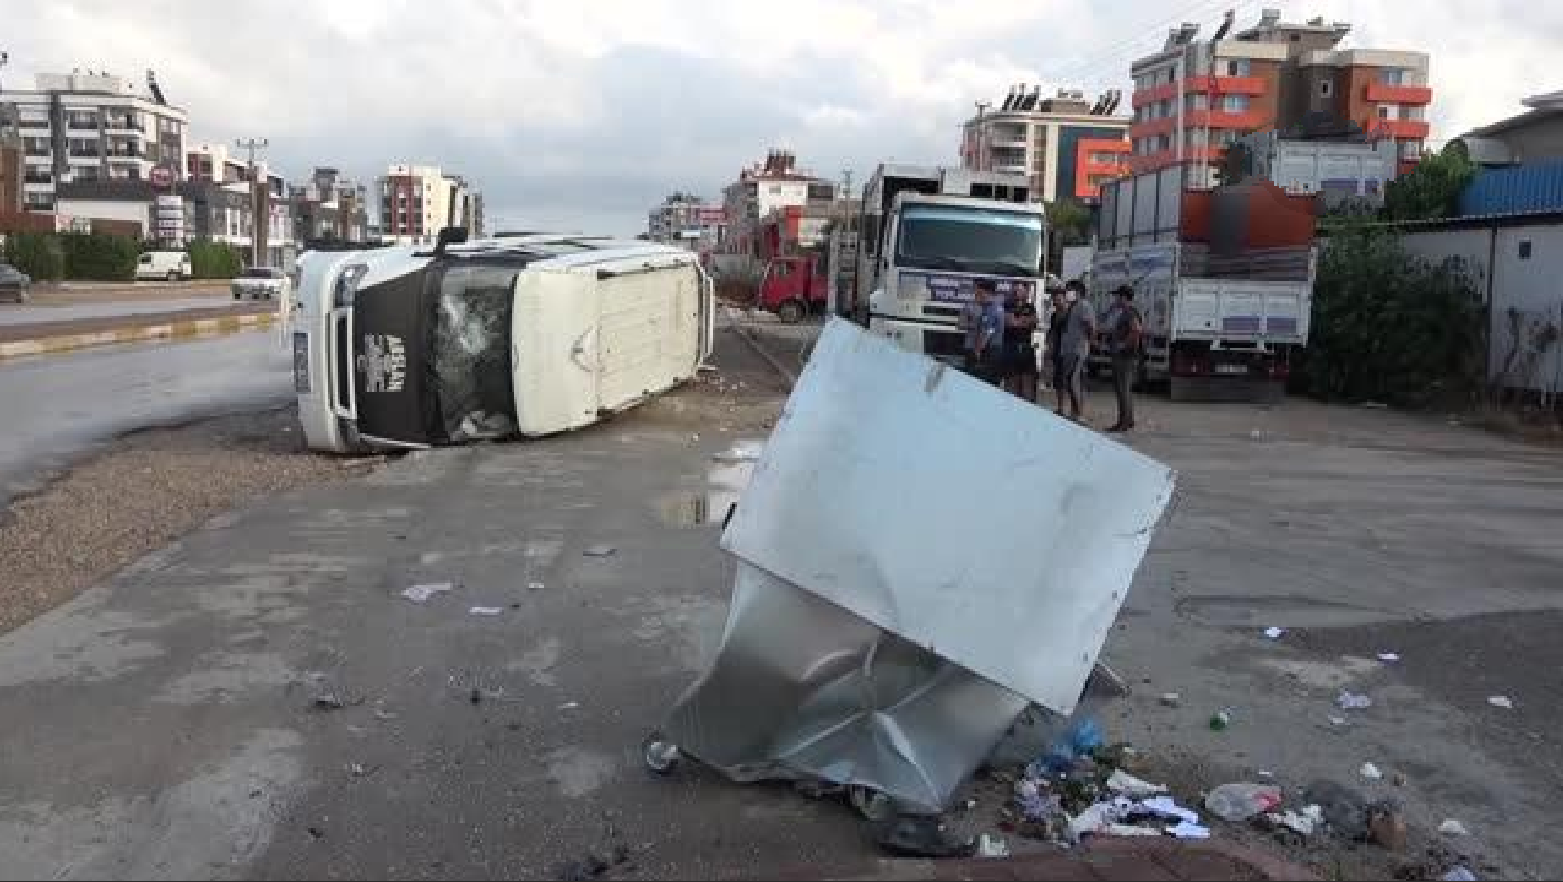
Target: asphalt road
172, 729
57, 407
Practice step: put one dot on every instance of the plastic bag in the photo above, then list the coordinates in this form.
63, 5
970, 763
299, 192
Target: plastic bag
1242, 800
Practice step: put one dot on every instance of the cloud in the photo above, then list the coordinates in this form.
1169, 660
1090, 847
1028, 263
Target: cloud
584, 115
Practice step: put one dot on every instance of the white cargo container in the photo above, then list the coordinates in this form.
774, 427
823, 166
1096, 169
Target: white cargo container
512, 336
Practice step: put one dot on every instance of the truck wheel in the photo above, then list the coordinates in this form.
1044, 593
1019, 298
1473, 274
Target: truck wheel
173, 275
791, 312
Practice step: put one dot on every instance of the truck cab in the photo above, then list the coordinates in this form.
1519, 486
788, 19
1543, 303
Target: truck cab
927, 236
793, 286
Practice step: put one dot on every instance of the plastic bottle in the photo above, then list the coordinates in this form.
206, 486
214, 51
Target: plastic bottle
1242, 800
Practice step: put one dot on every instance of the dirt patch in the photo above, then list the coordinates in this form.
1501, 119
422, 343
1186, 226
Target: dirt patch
145, 490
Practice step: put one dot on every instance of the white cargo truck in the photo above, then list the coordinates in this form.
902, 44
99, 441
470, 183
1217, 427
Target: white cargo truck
509, 336
1222, 278
926, 235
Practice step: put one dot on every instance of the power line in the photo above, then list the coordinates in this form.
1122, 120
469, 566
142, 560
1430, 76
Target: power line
1120, 55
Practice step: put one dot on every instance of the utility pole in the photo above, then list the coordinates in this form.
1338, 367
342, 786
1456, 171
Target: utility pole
260, 212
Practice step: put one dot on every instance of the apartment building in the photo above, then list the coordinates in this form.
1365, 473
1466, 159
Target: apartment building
85, 127
329, 208
683, 219
417, 201
1064, 144
1195, 97
760, 190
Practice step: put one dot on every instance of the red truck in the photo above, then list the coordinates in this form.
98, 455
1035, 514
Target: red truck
794, 286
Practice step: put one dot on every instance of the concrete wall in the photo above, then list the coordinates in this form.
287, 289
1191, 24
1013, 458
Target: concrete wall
1543, 140
1517, 268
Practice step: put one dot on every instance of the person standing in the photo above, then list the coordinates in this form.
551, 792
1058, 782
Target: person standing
983, 321
1077, 326
1125, 327
1020, 353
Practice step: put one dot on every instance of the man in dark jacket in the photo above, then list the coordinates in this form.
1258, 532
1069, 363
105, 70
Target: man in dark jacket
1124, 329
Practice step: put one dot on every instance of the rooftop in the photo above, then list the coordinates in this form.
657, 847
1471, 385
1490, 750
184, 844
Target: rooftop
1542, 107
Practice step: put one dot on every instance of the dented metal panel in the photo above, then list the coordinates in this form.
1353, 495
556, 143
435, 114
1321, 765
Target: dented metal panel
947, 512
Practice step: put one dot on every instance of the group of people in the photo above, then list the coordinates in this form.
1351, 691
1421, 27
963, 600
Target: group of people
999, 347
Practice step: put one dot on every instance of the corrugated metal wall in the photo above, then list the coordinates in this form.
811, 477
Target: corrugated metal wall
1535, 186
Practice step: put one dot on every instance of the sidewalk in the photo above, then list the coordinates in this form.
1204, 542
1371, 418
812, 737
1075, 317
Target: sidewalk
1109, 860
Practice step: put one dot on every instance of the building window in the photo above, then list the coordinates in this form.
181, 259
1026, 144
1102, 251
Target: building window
1386, 111
1324, 86
1392, 76
1238, 67
1411, 111
1524, 250
1234, 103
1196, 101
774, 189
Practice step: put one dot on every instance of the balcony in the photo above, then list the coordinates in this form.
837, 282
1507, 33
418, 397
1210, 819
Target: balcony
1202, 84
79, 124
78, 153
127, 152
32, 124
1383, 93
1017, 168
1404, 129
34, 177
123, 124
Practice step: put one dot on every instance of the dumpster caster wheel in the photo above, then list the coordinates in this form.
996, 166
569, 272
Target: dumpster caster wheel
660, 756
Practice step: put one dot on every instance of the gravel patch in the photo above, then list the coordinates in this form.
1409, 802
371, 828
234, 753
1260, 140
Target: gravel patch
147, 489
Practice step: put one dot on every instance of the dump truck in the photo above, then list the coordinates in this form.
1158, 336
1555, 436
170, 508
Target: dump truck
1222, 277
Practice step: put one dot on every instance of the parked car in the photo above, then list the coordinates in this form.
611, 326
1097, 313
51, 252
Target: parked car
168, 266
260, 283
13, 284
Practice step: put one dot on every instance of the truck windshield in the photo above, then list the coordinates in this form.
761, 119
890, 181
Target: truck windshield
470, 363
964, 239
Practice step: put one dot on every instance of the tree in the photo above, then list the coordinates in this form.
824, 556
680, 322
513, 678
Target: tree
1236, 164
1070, 222
1432, 190
214, 260
39, 255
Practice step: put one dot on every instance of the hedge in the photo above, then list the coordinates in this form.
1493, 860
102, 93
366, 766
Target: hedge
214, 260
100, 256
39, 255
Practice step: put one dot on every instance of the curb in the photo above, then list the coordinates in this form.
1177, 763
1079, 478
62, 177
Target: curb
187, 329
776, 365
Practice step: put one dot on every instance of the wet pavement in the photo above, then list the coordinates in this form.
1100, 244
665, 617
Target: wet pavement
57, 407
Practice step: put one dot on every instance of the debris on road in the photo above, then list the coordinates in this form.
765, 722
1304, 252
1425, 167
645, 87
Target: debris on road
1274, 633
600, 551
1458, 873
920, 836
534, 586
1241, 801
1370, 772
1170, 699
1337, 721
990, 846
1502, 701
1348, 700
328, 701
1344, 809
1389, 656
1451, 827
1304, 823
485, 610
422, 592
1125, 784
570, 705
1220, 720
1188, 830
359, 770
1387, 827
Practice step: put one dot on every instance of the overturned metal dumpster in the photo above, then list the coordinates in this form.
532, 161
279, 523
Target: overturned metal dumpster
920, 557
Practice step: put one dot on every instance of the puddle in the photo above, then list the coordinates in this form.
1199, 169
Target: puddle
725, 481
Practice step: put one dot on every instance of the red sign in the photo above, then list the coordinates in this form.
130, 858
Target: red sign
160, 176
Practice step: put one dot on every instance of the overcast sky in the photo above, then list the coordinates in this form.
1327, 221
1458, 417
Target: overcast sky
584, 114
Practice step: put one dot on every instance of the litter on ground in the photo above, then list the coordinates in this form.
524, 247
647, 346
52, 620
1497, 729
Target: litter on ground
600, 551
485, 610
1170, 699
1389, 656
1451, 827
1352, 701
1459, 873
1370, 772
1242, 800
1187, 830
990, 846
1274, 633
1125, 784
421, 593
1502, 701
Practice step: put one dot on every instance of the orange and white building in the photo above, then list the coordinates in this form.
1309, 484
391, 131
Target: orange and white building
1195, 97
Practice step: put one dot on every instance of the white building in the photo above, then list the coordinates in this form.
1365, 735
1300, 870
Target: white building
762, 189
84, 127
417, 201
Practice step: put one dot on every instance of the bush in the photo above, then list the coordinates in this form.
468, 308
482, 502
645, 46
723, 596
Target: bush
214, 260
1389, 326
100, 256
39, 255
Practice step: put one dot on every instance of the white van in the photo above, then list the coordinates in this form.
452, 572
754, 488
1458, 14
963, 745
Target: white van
170, 266
503, 337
